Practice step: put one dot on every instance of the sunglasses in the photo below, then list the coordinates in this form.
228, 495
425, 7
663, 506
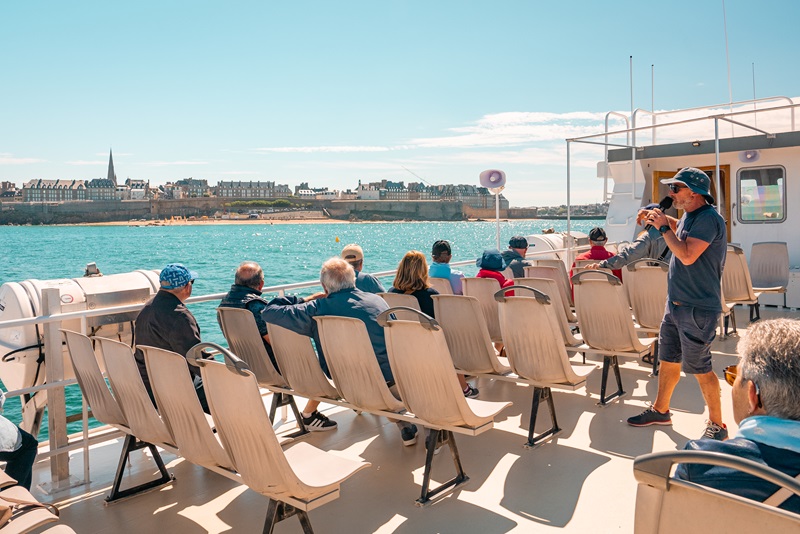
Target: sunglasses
676, 187
730, 377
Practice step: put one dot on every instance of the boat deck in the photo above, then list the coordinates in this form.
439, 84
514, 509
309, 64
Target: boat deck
580, 481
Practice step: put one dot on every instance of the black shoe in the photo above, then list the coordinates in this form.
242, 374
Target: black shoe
318, 422
650, 416
409, 435
714, 431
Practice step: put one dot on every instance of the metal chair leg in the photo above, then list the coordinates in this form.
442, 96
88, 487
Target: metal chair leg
461, 477
541, 394
610, 361
132, 444
282, 399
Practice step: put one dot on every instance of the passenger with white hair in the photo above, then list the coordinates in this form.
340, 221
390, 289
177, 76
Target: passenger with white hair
342, 299
766, 389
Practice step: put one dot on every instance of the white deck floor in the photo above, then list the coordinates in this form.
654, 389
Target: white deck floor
581, 481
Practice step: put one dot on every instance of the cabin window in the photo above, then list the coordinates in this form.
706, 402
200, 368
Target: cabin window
762, 194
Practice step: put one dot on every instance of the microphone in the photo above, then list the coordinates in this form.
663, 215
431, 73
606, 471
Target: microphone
664, 205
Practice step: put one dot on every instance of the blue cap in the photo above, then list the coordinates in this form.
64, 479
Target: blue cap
175, 275
491, 260
694, 179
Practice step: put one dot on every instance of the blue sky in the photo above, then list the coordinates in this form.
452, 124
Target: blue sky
333, 92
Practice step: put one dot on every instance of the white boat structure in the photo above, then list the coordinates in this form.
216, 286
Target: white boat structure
580, 480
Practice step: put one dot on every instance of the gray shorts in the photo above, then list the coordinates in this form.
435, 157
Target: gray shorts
685, 337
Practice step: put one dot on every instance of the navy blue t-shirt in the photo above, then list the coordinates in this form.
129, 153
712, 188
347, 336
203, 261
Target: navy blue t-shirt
698, 284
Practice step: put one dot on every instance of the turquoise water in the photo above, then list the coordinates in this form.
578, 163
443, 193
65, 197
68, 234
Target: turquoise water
287, 252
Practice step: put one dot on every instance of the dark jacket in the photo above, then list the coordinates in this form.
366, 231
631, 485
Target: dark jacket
299, 317
165, 323
736, 482
515, 262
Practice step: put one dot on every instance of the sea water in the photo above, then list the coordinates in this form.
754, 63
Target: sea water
288, 253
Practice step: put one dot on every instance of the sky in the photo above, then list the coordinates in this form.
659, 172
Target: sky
333, 92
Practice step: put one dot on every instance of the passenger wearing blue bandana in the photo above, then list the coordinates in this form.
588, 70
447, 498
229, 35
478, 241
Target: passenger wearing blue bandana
766, 389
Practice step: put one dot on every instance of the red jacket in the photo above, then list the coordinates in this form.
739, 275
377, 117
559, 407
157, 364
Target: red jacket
596, 253
497, 275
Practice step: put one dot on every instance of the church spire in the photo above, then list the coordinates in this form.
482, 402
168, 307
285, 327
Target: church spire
111, 174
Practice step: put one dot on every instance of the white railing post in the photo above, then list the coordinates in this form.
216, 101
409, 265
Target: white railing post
56, 403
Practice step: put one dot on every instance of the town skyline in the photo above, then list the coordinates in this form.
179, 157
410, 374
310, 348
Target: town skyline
332, 93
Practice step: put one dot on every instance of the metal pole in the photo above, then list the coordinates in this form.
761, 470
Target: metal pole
717, 181
497, 217
569, 209
56, 403
633, 117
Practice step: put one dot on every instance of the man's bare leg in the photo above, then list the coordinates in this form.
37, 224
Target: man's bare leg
709, 386
311, 407
668, 376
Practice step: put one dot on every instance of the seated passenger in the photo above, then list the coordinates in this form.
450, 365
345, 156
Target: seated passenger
412, 279
766, 389
440, 268
492, 264
245, 293
354, 255
598, 252
166, 323
341, 298
646, 245
515, 255
18, 449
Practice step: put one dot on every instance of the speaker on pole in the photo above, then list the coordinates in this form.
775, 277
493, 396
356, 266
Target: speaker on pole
495, 181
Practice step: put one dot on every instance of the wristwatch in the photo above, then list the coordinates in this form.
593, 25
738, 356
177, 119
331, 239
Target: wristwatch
664, 229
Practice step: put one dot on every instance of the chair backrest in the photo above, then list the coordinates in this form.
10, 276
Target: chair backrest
564, 290
561, 268
425, 376
550, 288
442, 285
90, 379
484, 289
736, 277
241, 332
299, 364
769, 264
646, 286
247, 435
401, 300
532, 339
126, 382
662, 502
353, 365
508, 274
467, 337
604, 315
180, 408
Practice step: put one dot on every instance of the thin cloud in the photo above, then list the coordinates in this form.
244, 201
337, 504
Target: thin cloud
330, 149
115, 154
239, 173
86, 162
168, 163
9, 159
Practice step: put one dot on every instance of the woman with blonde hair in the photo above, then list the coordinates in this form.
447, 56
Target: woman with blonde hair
412, 279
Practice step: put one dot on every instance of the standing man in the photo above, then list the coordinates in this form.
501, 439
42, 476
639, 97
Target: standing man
440, 266
166, 323
515, 255
354, 255
245, 293
698, 244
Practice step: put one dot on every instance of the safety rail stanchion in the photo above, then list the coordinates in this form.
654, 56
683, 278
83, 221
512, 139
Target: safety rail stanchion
56, 402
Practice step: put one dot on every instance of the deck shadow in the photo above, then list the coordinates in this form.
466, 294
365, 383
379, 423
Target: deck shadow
545, 484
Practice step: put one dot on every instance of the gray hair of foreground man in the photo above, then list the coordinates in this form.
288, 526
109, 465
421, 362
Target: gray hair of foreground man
249, 274
336, 275
770, 358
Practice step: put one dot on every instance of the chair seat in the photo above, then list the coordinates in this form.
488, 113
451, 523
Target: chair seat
486, 409
317, 468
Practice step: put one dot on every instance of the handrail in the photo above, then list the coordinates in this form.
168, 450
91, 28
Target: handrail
282, 288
